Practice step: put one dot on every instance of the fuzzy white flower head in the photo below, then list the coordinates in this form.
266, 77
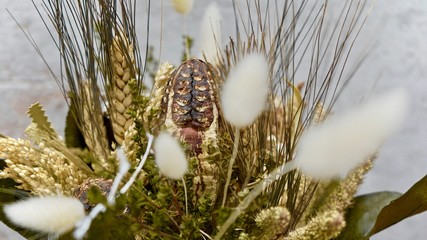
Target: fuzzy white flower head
210, 38
170, 158
53, 215
183, 6
338, 145
245, 91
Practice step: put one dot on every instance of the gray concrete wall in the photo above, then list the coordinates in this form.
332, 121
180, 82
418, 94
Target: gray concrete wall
398, 28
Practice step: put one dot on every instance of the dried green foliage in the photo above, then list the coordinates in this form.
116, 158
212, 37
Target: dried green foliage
73, 135
188, 44
41, 132
38, 117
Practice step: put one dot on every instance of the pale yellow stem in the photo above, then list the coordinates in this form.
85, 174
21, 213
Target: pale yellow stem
230, 164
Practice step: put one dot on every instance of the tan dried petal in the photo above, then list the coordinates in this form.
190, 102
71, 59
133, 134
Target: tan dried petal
128, 124
121, 120
119, 106
120, 83
118, 56
120, 96
118, 69
124, 64
127, 116
126, 75
127, 101
126, 90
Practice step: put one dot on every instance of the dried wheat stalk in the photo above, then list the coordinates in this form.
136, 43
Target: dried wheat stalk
123, 62
94, 131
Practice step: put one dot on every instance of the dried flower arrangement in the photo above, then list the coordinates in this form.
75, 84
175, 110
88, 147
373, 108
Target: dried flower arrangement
228, 147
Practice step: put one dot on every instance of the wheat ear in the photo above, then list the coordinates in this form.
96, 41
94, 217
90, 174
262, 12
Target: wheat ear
123, 62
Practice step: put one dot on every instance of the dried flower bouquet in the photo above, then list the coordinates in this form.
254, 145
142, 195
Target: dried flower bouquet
230, 145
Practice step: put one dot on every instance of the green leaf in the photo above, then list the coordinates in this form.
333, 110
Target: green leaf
188, 44
412, 202
37, 114
73, 136
5, 185
360, 218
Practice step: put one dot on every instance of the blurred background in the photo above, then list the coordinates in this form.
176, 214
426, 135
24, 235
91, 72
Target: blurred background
395, 35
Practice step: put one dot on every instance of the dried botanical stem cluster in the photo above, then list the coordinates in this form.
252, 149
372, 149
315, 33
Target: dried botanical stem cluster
195, 137
43, 171
325, 226
93, 129
342, 197
154, 112
129, 145
329, 219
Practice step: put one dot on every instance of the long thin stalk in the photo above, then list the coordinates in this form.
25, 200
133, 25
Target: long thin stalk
186, 196
124, 166
230, 164
140, 165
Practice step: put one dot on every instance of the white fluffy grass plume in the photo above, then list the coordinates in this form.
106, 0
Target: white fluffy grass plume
245, 91
210, 39
338, 145
53, 215
183, 6
170, 158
